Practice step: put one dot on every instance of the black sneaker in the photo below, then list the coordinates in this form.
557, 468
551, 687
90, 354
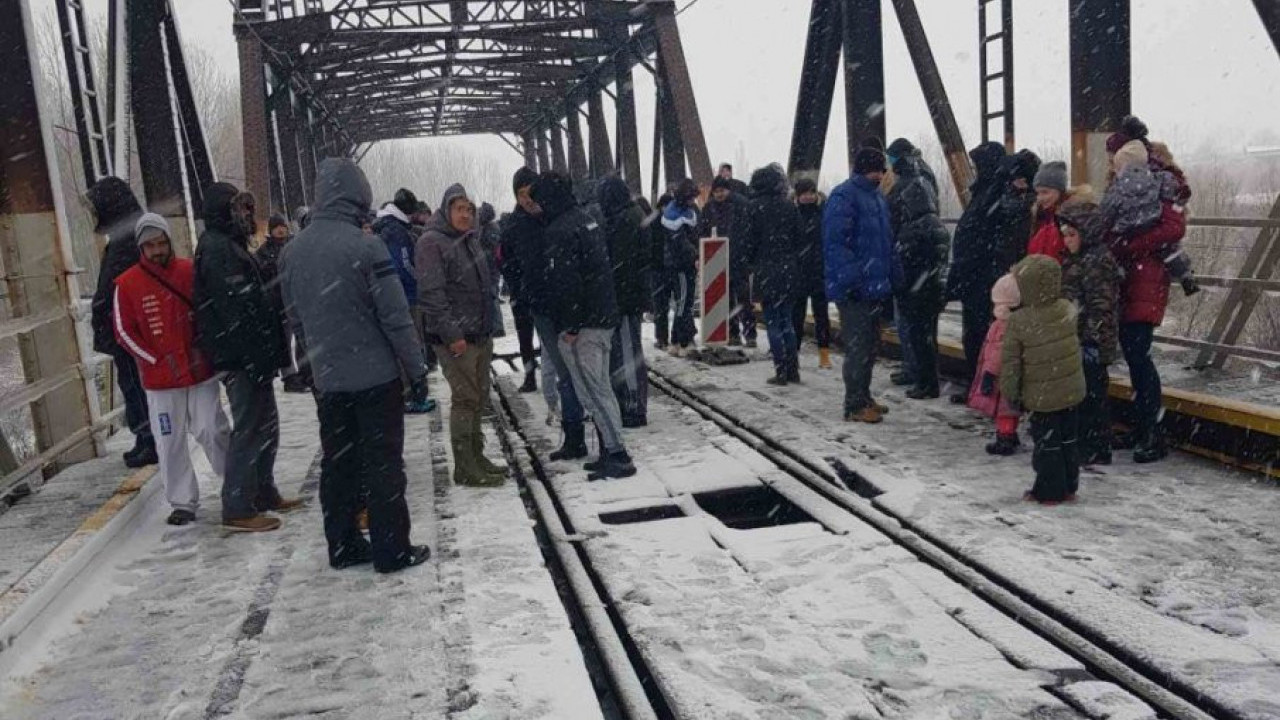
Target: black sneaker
530, 383
352, 559
1004, 445
919, 393
617, 465
1190, 286
418, 554
144, 457
181, 517
960, 398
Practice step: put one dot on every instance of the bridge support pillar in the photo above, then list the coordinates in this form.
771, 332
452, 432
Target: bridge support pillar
674, 73
255, 121
544, 157
558, 161
627, 128
598, 129
529, 149
669, 123
1270, 14
863, 73
290, 155
817, 86
577, 148
35, 249
1100, 83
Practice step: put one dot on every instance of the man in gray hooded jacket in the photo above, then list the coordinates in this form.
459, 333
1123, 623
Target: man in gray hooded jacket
345, 302
454, 291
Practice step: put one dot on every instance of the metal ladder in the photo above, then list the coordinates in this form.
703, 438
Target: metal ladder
1004, 75
95, 149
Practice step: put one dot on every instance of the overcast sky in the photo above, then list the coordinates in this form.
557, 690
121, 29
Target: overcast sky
1205, 74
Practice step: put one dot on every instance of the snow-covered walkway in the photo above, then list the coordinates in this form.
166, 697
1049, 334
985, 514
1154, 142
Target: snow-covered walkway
1177, 560
196, 623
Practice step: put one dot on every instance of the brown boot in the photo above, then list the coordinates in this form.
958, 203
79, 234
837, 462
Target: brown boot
824, 359
879, 406
257, 523
287, 505
867, 414
362, 520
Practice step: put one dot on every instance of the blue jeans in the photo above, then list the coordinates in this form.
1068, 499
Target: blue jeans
570, 408
1135, 342
782, 336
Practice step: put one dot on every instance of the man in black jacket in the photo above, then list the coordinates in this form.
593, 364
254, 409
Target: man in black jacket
629, 253
812, 280
773, 243
526, 266
585, 314
239, 328
922, 245
117, 211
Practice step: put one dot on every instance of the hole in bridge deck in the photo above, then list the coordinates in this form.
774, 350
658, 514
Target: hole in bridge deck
752, 507
639, 515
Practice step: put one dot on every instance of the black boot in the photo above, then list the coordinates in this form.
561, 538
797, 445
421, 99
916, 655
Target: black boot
778, 379
575, 444
616, 465
922, 393
1004, 445
960, 397
1190, 286
530, 381
901, 377
141, 456
793, 371
1150, 448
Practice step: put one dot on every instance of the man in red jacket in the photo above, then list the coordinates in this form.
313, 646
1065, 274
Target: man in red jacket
154, 321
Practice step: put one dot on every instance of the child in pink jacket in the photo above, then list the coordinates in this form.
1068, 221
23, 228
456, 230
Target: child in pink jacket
984, 393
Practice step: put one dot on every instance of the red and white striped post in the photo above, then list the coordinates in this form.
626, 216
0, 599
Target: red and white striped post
713, 283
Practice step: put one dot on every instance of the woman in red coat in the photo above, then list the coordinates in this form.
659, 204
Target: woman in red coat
1051, 190
1144, 295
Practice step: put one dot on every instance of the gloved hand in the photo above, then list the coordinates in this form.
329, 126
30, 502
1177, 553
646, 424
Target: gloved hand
1091, 354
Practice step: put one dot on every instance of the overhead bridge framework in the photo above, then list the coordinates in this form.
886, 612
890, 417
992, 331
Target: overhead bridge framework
321, 79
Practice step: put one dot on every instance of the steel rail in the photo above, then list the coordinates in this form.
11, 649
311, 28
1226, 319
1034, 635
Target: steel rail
1171, 696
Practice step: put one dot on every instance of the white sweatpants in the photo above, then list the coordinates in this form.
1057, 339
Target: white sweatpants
175, 413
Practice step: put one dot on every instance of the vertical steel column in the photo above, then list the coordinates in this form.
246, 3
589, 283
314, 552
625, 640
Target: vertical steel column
657, 144
627, 130
935, 96
118, 124
160, 158
1100, 83
817, 86
530, 151
1269, 11
577, 149
672, 143
256, 125
558, 161
199, 161
294, 195
307, 154
544, 157
35, 247
601, 147
863, 73
675, 72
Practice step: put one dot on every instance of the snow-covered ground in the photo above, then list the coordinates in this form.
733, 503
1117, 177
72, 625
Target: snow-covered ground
1177, 560
196, 623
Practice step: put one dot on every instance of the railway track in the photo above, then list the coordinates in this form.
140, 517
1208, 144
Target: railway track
846, 487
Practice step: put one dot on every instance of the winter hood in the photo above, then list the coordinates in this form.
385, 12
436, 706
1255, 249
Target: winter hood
439, 221
1086, 217
986, 159
1005, 296
342, 192
113, 202
613, 195
769, 181
1039, 280
554, 193
486, 215
216, 210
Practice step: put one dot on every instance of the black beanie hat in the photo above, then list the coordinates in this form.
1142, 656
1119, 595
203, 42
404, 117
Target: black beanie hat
806, 185
275, 221
721, 183
405, 201
525, 177
868, 160
900, 148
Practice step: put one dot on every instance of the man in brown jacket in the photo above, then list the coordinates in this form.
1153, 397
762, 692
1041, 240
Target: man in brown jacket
1042, 374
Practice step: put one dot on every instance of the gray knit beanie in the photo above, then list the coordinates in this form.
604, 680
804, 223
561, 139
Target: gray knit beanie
1052, 175
150, 225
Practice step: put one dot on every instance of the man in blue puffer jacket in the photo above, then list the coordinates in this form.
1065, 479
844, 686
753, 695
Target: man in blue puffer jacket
861, 272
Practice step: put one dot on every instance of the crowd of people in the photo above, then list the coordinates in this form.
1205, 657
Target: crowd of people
361, 305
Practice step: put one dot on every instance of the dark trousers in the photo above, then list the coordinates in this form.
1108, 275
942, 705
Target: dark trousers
921, 347
661, 284
250, 486
570, 406
362, 440
628, 372
860, 331
821, 318
1135, 342
1056, 457
742, 322
524, 333
782, 336
1095, 413
683, 290
136, 414
975, 318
